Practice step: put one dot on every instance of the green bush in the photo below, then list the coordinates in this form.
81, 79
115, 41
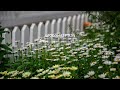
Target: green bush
111, 20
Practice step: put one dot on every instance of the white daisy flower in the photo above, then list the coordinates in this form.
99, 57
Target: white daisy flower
93, 63
39, 70
107, 62
102, 75
26, 74
112, 69
100, 67
91, 73
34, 78
86, 76
114, 47
66, 73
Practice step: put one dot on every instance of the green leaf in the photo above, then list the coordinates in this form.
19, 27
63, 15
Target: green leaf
2, 53
5, 47
1, 28
1, 38
3, 32
20, 67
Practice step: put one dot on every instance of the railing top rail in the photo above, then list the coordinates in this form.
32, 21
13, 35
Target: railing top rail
18, 18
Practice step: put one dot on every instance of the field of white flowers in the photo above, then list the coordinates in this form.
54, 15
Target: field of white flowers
89, 55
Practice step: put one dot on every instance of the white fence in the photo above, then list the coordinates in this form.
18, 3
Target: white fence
30, 33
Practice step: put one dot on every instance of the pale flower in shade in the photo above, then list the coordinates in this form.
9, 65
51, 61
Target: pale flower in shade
95, 55
105, 78
105, 57
100, 67
2, 77
48, 59
61, 53
34, 78
56, 59
36, 40
77, 44
74, 53
51, 72
91, 73
63, 59
59, 76
73, 68
54, 71
68, 48
81, 33
107, 62
43, 77
112, 69
68, 44
98, 45
54, 53
88, 55
75, 60
57, 45
39, 70
93, 63
86, 76
117, 58
71, 55
10, 78
114, 47
69, 61
21, 72
40, 74
65, 68
85, 54
45, 71
107, 30
51, 76
115, 63
66, 73
102, 75
14, 74
107, 53
56, 66
117, 77
105, 49
4, 73
18, 78
26, 74
52, 49
69, 77
118, 51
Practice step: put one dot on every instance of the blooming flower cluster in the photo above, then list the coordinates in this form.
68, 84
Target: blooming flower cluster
85, 56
